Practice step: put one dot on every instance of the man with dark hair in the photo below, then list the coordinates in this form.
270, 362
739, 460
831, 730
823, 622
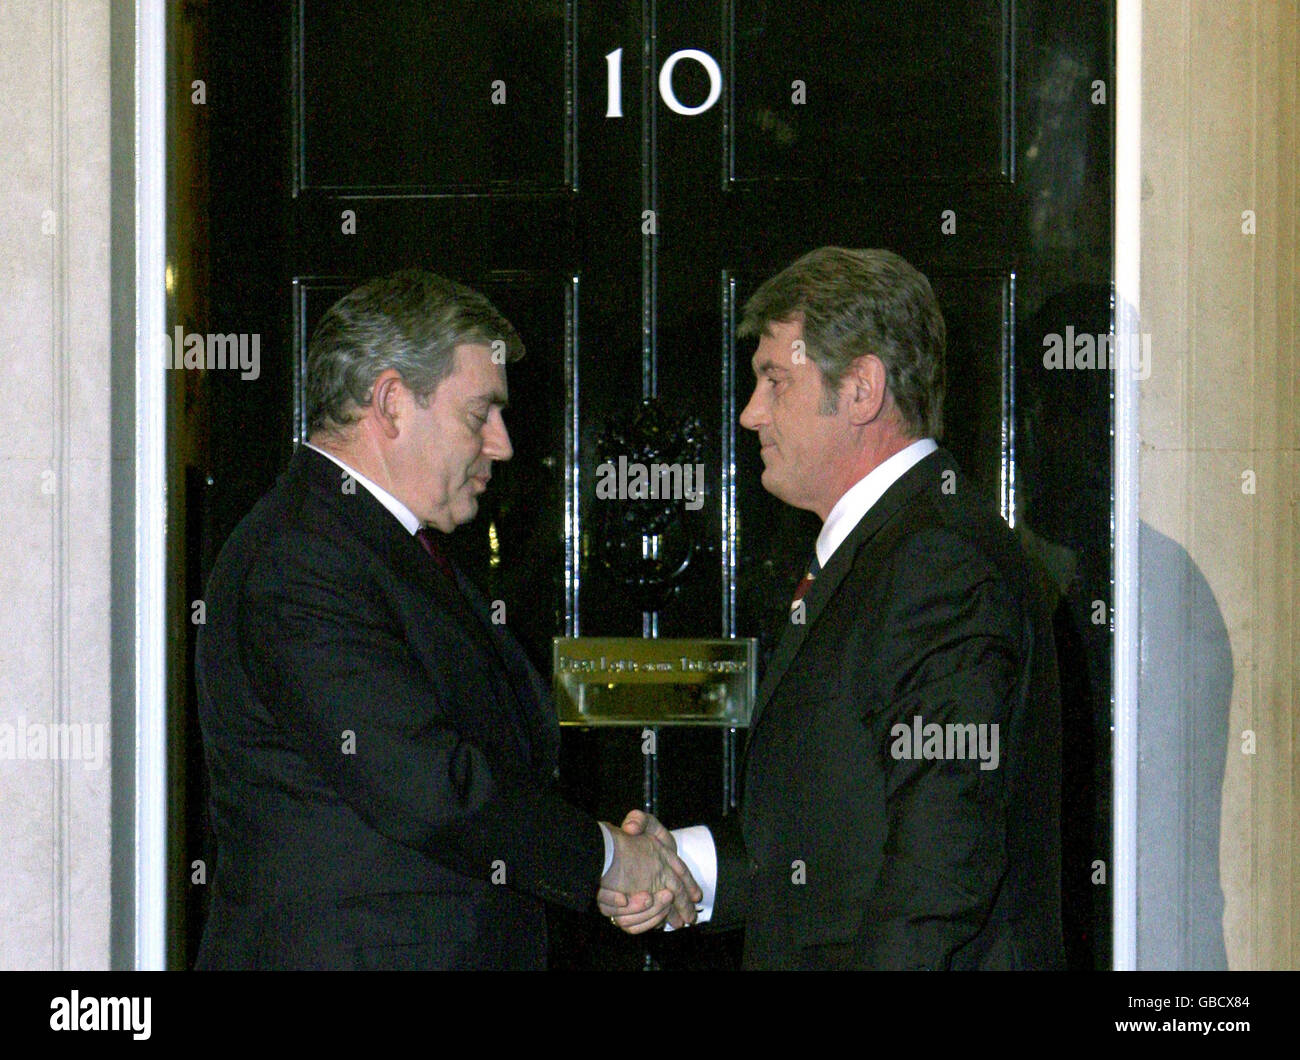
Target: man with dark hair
901, 782
382, 755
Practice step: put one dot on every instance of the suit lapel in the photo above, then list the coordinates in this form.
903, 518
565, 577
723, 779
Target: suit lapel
926, 473
540, 732
466, 611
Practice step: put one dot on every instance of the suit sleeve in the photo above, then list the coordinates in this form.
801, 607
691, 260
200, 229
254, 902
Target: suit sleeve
735, 874
330, 665
948, 643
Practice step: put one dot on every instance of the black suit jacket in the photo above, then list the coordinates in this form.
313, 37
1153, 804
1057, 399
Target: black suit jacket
381, 755
846, 853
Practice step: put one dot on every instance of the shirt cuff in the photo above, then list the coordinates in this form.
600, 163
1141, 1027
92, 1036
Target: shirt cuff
695, 847
609, 848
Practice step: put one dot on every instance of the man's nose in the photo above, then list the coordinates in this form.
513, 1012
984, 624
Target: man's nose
751, 416
496, 444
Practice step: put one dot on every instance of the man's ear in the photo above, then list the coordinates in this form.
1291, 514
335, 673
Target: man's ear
387, 399
866, 389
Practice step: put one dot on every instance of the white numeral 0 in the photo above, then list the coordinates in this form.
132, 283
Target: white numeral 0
614, 103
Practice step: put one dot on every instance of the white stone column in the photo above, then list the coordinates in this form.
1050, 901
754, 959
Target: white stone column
55, 732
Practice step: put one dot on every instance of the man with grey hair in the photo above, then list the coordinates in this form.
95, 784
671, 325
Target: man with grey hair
901, 782
382, 755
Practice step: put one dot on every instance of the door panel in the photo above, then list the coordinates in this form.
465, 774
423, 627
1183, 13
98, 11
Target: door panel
397, 98
894, 91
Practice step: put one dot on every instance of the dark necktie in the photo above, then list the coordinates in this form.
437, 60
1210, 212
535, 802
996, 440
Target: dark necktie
805, 583
428, 538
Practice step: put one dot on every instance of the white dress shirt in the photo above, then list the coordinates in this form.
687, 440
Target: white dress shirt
404, 515
695, 845
411, 522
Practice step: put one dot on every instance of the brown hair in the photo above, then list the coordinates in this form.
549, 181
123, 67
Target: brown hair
857, 302
411, 321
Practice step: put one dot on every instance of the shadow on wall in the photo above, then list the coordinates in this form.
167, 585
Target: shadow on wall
1184, 697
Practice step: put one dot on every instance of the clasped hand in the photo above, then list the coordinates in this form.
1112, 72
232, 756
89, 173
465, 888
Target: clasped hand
647, 882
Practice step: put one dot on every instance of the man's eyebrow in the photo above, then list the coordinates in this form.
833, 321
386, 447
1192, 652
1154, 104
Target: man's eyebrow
491, 397
767, 365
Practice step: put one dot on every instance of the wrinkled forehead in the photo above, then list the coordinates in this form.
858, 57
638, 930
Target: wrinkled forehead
780, 340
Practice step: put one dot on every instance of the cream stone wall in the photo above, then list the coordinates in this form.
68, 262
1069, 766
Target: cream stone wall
54, 478
1219, 439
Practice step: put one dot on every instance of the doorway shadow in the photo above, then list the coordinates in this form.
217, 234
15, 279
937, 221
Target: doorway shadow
1185, 693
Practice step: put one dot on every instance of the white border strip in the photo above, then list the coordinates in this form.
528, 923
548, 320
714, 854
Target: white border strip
1128, 324
150, 486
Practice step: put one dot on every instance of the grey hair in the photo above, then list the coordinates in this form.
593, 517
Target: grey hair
410, 321
857, 302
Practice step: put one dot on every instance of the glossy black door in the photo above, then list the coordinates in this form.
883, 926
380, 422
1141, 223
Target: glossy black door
476, 140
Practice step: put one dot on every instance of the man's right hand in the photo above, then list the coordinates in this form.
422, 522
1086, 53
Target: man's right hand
644, 863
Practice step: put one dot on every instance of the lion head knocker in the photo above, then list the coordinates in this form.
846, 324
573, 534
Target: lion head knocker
649, 496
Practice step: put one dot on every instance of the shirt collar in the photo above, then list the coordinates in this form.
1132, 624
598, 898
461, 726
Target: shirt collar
404, 515
863, 494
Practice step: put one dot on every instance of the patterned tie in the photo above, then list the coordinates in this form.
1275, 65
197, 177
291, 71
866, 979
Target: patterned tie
805, 583
428, 537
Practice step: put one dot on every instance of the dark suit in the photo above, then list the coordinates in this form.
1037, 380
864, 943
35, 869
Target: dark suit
378, 752
847, 856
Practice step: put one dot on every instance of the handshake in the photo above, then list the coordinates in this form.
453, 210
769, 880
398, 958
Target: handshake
647, 882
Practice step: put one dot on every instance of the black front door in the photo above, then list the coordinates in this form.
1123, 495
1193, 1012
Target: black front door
618, 178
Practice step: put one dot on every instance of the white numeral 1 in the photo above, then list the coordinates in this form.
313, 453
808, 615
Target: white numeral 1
614, 106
